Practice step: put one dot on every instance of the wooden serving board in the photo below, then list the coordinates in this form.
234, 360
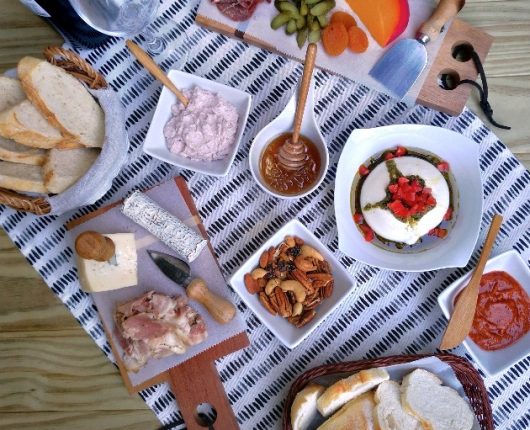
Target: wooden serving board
196, 380
429, 93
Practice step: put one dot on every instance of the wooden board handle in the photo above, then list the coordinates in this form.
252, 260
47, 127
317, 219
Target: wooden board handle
444, 12
156, 71
195, 382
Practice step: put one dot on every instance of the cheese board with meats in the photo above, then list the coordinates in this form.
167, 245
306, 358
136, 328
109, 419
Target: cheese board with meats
377, 26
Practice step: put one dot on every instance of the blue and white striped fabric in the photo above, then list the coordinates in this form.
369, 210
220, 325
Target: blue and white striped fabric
389, 313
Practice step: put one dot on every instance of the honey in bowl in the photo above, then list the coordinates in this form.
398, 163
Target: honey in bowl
289, 182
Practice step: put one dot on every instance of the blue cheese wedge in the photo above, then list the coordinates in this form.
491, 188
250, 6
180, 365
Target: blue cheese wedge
96, 276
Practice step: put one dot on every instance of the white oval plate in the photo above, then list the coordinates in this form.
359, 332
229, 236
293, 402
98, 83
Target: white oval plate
462, 155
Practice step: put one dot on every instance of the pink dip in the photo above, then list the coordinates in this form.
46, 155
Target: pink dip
205, 129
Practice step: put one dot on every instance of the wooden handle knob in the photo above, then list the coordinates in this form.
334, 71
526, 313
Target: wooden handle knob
444, 12
92, 245
219, 308
309, 64
144, 58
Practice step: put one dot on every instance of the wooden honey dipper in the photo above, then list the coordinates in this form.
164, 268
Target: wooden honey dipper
292, 154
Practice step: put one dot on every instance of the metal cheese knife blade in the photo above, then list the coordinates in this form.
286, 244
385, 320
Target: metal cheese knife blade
174, 268
403, 64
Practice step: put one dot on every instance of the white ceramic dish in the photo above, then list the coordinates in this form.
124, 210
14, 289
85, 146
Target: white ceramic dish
282, 124
155, 142
287, 333
462, 155
493, 362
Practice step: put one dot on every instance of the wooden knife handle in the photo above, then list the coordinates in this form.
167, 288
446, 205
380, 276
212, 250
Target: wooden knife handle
156, 71
219, 308
444, 12
92, 245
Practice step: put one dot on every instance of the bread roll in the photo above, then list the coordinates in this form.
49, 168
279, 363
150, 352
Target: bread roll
389, 412
357, 414
17, 153
21, 177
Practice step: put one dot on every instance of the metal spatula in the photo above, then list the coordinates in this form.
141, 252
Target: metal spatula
403, 63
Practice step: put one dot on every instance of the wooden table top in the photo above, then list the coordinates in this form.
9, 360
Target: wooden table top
52, 375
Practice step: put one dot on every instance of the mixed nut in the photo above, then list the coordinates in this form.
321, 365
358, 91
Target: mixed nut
291, 280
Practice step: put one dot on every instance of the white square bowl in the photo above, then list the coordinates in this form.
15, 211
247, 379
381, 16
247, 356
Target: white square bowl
155, 142
493, 362
287, 333
463, 157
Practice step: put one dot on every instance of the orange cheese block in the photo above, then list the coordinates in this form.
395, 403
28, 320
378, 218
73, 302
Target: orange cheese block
384, 19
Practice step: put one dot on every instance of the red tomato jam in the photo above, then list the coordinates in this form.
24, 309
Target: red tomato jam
503, 312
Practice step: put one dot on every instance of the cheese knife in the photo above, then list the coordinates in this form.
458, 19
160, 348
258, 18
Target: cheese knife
403, 63
180, 273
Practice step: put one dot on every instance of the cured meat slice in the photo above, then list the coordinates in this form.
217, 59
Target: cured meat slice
156, 325
237, 10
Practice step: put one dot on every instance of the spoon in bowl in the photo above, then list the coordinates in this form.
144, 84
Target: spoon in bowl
292, 154
462, 318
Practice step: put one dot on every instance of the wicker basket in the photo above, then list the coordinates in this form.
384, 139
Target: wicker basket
79, 68
466, 374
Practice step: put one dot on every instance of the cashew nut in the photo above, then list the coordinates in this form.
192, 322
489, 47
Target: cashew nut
271, 285
296, 287
289, 240
258, 273
304, 264
309, 251
297, 309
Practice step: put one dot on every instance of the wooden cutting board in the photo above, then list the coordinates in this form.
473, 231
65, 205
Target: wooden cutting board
195, 381
431, 93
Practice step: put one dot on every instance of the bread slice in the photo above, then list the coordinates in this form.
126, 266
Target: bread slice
21, 177
64, 167
25, 124
347, 389
63, 100
357, 414
389, 412
436, 407
304, 408
11, 93
17, 153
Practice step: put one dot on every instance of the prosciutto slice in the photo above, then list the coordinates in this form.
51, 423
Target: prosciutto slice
237, 10
156, 325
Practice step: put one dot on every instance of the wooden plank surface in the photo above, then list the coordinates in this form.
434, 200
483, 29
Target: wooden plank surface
52, 375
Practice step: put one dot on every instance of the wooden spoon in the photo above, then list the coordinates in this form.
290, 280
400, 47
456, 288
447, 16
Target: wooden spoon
464, 312
144, 58
292, 155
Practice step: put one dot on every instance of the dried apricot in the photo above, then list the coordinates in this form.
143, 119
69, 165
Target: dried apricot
345, 18
357, 40
335, 38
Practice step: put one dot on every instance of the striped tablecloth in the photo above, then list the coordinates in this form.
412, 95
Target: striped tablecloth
389, 313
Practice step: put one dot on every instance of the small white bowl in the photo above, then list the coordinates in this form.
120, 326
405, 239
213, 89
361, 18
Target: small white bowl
287, 333
155, 142
493, 362
462, 155
284, 123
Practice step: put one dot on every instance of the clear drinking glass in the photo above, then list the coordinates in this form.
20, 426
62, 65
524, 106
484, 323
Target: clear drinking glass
122, 18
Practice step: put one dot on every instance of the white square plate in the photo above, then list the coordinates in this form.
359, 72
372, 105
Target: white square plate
155, 142
463, 157
493, 362
287, 333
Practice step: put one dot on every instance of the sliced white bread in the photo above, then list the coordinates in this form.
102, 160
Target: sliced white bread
357, 414
11, 93
347, 389
304, 408
63, 167
63, 100
389, 412
26, 125
21, 177
17, 153
436, 407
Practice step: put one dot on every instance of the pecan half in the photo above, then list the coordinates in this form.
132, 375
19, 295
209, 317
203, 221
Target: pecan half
326, 277
264, 260
285, 309
328, 289
304, 264
306, 317
313, 301
299, 241
301, 277
324, 266
264, 299
271, 255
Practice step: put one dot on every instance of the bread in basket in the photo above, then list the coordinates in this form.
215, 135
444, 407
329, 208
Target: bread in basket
51, 135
